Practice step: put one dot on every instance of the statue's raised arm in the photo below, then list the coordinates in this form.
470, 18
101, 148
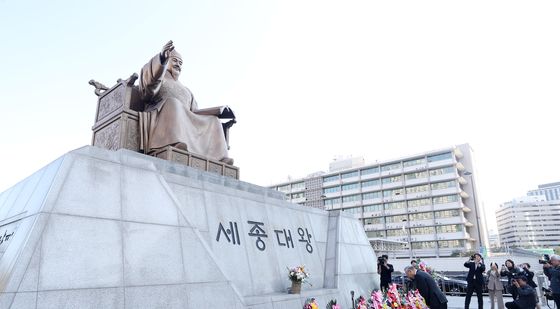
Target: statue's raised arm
171, 117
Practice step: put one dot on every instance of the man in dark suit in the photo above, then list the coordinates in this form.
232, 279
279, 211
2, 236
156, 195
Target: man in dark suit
527, 296
428, 288
475, 279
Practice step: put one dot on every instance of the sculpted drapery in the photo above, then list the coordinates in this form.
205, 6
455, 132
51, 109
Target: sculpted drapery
170, 117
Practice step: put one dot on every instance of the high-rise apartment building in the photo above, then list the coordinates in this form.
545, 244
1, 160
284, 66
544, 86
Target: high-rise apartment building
550, 190
427, 201
529, 222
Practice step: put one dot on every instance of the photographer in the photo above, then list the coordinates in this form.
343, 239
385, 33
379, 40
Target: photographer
508, 270
384, 269
526, 271
551, 269
527, 296
475, 279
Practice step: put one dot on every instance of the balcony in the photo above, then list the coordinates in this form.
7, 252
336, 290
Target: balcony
392, 185
451, 236
448, 176
376, 200
415, 168
445, 206
371, 188
464, 194
417, 195
351, 179
452, 220
351, 204
460, 166
447, 191
332, 194
463, 181
397, 171
392, 212
416, 181
396, 225
466, 209
458, 153
441, 163
331, 183
350, 191
423, 237
374, 227
420, 208
373, 214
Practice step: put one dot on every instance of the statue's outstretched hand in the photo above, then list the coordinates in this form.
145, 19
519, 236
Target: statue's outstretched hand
165, 51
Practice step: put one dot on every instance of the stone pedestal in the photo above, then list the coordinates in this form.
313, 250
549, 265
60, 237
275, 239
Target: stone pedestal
196, 161
118, 229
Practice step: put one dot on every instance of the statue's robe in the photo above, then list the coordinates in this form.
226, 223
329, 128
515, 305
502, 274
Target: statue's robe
170, 117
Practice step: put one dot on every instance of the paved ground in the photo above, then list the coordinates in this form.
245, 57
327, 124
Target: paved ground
458, 302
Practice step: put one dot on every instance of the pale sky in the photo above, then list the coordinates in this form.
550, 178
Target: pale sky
308, 80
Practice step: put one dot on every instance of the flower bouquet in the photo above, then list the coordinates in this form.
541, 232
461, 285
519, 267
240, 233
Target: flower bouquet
311, 304
297, 275
332, 305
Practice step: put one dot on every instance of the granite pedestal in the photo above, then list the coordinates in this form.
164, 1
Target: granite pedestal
117, 229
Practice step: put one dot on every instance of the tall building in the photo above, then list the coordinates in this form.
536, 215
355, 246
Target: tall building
550, 190
529, 222
426, 201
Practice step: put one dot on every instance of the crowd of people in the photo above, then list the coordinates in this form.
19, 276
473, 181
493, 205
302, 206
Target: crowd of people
520, 278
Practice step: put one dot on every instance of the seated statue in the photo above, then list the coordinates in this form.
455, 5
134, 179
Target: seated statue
172, 116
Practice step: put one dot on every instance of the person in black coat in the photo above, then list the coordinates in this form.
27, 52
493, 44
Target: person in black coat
475, 279
385, 270
428, 288
509, 270
527, 296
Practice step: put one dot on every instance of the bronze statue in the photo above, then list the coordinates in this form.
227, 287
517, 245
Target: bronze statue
172, 116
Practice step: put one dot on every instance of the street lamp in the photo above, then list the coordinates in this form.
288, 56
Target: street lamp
476, 210
408, 236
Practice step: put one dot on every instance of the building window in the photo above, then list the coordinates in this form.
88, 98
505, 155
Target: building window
420, 202
417, 189
351, 198
440, 157
391, 166
427, 230
372, 208
414, 162
370, 183
332, 201
392, 179
442, 171
451, 243
446, 199
353, 210
369, 171
298, 186
421, 216
395, 205
448, 213
377, 234
424, 245
393, 233
331, 189
297, 195
396, 219
351, 186
371, 195
284, 188
444, 185
416, 175
331, 178
350, 175
453, 228
394, 192
377, 220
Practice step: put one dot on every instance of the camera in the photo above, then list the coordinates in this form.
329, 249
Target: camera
545, 259
547, 293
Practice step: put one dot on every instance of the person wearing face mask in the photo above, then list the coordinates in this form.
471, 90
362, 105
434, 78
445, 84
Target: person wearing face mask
509, 270
495, 286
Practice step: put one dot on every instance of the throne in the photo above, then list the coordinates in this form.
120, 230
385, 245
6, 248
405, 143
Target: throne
117, 126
